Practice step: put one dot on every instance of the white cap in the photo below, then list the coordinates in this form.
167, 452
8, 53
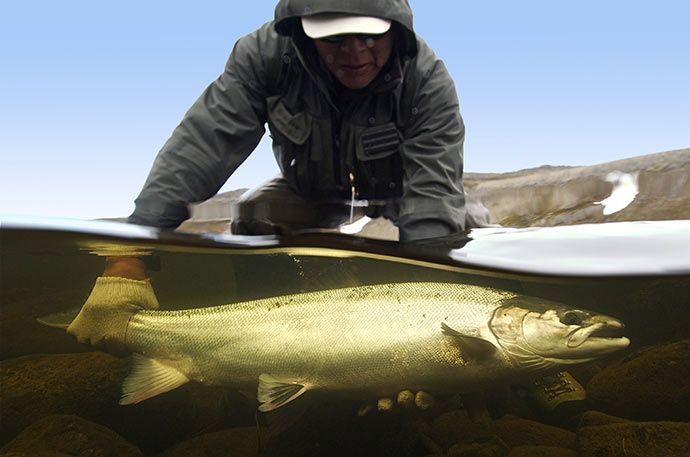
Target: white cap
329, 24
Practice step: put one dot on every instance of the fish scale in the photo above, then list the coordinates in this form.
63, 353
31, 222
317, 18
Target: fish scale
369, 340
335, 338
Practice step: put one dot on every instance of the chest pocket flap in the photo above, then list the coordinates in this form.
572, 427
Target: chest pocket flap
294, 127
378, 142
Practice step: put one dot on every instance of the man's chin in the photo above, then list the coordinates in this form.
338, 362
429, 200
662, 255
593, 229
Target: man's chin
357, 79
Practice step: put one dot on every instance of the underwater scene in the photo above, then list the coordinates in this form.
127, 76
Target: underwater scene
553, 342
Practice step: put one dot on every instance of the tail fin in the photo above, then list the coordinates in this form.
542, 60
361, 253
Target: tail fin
61, 319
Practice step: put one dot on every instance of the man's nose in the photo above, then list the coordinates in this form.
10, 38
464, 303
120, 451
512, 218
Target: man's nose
353, 44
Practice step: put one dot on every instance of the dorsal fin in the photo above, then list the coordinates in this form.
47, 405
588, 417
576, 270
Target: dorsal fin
472, 346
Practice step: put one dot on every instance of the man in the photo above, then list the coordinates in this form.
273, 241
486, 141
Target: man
359, 108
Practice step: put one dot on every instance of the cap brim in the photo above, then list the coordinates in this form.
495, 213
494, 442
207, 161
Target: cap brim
323, 25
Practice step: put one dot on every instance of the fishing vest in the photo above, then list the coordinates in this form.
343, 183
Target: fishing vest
330, 152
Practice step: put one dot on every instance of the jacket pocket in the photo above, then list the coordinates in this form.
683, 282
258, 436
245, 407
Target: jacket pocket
285, 126
378, 168
378, 142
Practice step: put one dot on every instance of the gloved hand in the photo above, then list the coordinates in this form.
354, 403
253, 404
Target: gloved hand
102, 321
406, 399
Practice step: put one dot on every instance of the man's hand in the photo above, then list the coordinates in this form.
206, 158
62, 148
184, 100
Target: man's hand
102, 321
406, 399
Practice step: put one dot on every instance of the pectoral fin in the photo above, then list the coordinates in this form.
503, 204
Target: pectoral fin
274, 393
473, 347
149, 378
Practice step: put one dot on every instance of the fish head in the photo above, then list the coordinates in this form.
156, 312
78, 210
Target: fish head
548, 333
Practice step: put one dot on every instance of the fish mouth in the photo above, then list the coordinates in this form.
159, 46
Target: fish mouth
601, 335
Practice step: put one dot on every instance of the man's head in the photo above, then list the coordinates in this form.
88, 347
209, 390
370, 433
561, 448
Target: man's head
353, 48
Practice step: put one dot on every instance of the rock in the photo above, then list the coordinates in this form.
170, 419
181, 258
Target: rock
493, 448
515, 431
594, 418
36, 386
650, 384
35, 453
70, 435
455, 427
541, 451
240, 442
89, 385
635, 439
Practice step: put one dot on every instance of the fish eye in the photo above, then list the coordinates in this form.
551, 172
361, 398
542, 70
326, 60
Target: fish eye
572, 317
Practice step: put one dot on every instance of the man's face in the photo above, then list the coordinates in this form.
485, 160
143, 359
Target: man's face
353, 59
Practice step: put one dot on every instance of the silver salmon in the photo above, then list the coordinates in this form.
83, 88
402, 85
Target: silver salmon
364, 342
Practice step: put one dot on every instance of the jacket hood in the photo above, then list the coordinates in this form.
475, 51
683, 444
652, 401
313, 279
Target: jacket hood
289, 12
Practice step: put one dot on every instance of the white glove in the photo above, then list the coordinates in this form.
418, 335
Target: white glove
102, 321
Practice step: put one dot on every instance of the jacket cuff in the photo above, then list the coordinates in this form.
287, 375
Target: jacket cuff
161, 215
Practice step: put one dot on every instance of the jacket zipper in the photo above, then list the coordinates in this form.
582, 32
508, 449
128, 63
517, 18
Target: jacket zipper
353, 194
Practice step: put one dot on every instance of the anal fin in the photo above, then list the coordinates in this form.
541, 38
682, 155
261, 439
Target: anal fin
149, 378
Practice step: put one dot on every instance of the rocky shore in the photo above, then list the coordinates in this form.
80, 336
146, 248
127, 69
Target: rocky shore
551, 196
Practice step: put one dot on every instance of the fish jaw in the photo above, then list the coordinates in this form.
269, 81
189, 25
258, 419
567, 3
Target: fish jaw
597, 336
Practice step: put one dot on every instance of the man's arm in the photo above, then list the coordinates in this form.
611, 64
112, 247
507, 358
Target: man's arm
433, 201
215, 136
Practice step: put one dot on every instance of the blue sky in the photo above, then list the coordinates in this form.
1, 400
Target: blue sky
90, 91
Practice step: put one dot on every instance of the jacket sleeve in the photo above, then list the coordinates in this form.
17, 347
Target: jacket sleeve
433, 201
215, 136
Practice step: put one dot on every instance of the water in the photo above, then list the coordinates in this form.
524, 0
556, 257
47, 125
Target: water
639, 273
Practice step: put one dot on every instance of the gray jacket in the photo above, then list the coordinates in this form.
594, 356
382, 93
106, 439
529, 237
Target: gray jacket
399, 139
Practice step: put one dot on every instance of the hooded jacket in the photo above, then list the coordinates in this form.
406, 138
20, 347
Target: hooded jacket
399, 139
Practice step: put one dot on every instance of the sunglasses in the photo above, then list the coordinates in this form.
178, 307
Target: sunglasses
337, 39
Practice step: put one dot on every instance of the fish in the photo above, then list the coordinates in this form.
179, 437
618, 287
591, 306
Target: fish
362, 342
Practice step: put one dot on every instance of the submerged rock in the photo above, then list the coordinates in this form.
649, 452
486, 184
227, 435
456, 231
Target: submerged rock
635, 439
493, 448
541, 451
455, 430
455, 427
39, 385
69, 435
595, 418
235, 442
89, 385
650, 384
515, 431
